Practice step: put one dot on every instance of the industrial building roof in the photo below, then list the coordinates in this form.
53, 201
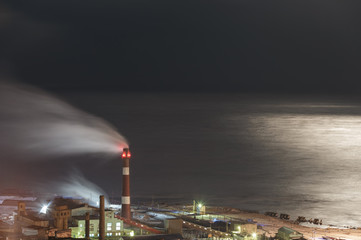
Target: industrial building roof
92, 217
35, 216
14, 203
288, 231
71, 203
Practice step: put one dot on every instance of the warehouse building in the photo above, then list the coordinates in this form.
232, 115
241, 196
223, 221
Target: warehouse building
285, 233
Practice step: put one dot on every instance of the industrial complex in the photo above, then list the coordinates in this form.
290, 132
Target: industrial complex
29, 217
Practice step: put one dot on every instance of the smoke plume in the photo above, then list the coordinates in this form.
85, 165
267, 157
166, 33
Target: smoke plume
78, 186
37, 125
42, 137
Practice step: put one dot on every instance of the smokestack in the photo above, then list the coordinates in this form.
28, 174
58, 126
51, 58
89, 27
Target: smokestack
87, 226
101, 218
126, 188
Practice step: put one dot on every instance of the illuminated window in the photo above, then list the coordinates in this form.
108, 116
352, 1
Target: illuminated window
109, 226
117, 226
80, 225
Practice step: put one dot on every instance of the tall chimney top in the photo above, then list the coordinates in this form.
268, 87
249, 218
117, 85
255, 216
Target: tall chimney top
126, 153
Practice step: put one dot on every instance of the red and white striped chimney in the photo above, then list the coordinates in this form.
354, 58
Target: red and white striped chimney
126, 188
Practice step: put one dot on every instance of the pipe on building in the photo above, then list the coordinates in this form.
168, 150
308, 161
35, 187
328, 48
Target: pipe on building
126, 186
87, 226
101, 218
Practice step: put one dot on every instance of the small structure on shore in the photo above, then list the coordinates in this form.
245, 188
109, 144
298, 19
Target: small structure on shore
285, 216
285, 233
271, 214
301, 219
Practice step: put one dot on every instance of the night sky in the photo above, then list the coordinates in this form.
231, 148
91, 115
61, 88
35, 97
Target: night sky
142, 45
198, 88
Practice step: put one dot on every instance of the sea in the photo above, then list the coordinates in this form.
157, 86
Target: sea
293, 154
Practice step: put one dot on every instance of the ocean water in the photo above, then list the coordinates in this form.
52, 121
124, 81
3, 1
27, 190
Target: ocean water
299, 155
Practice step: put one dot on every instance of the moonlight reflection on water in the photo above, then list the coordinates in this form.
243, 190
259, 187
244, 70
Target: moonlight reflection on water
317, 158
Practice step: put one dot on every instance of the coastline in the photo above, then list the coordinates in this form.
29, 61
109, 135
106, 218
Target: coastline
270, 225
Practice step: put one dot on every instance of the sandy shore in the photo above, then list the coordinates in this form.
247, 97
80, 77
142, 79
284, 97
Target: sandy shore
271, 226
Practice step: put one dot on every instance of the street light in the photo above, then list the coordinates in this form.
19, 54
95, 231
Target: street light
45, 208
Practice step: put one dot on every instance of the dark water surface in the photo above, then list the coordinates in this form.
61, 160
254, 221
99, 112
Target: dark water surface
298, 155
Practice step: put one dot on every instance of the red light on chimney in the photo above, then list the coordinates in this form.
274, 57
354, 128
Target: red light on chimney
126, 153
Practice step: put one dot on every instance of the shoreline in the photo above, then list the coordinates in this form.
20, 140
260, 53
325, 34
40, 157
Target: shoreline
270, 225
330, 217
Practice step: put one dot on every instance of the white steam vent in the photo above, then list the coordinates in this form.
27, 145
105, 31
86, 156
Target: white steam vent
37, 125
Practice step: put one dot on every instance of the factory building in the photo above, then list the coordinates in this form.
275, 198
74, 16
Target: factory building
61, 216
113, 225
285, 233
24, 224
244, 227
8, 206
70, 215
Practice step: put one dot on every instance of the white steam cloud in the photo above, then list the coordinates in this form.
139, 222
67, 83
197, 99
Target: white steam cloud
39, 125
79, 186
